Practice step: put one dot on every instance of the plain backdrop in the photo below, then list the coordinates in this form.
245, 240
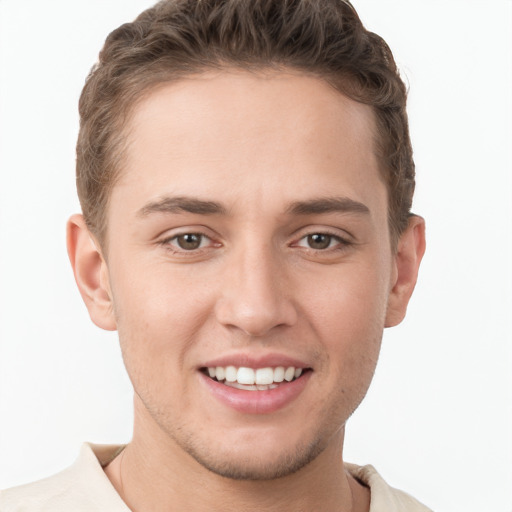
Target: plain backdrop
437, 421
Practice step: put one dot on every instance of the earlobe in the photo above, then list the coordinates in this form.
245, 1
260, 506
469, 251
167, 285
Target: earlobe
407, 259
91, 273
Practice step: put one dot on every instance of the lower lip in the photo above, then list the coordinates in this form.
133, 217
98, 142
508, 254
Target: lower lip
256, 402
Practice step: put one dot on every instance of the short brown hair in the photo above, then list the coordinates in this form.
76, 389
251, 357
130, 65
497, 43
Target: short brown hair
178, 38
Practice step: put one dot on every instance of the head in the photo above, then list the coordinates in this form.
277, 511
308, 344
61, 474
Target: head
245, 173
182, 38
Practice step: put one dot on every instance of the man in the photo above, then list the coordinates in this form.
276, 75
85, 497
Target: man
246, 177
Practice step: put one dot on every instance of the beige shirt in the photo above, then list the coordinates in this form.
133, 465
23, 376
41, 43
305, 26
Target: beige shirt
84, 487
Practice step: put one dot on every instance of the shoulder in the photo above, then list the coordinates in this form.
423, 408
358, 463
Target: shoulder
83, 487
46, 494
384, 498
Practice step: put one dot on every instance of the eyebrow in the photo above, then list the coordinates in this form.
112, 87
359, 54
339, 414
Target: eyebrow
201, 207
181, 205
327, 205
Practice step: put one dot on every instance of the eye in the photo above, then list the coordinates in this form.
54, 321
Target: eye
320, 241
189, 241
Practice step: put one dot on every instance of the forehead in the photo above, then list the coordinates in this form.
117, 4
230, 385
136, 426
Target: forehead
251, 131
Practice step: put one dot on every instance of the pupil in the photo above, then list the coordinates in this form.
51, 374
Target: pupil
319, 241
189, 241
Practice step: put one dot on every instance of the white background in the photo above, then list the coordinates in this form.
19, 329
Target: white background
438, 418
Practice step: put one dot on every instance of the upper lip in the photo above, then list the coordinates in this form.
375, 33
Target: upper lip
253, 361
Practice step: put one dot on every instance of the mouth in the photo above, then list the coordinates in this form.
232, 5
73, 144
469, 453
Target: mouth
254, 379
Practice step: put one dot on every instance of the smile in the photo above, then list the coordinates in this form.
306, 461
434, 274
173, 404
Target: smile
256, 390
253, 379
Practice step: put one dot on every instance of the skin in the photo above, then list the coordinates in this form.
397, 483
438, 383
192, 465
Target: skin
259, 146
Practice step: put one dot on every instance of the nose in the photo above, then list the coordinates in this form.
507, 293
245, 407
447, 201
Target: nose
256, 296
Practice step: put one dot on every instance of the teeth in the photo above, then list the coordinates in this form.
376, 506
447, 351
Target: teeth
231, 374
220, 373
241, 386
245, 376
264, 376
254, 379
279, 374
289, 373
250, 388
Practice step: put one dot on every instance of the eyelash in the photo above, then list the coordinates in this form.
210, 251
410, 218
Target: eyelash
341, 243
167, 243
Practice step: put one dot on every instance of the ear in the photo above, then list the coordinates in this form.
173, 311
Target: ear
407, 259
91, 273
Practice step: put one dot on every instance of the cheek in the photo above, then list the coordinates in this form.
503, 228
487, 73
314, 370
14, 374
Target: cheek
153, 300
158, 318
348, 314
353, 298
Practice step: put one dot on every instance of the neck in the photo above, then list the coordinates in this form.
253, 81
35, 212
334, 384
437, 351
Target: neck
154, 474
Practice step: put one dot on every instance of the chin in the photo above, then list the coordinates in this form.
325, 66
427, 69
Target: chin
251, 467
256, 453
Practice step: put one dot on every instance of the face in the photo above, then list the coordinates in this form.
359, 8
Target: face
247, 239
